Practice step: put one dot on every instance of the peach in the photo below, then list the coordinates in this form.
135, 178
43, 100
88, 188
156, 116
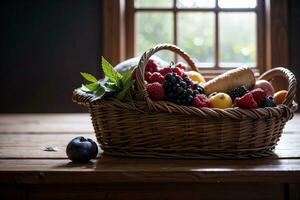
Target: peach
280, 96
266, 86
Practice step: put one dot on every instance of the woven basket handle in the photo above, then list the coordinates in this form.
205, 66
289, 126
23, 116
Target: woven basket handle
141, 86
287, 74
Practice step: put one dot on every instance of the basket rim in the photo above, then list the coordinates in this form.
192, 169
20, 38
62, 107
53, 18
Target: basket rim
281, 110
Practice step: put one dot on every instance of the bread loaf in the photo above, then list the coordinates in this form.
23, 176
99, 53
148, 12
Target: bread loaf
229, 80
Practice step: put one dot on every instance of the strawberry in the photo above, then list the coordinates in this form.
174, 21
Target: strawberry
152, 66
201, 101
165, 71
156, 77
246, 101
259, 96
156, 91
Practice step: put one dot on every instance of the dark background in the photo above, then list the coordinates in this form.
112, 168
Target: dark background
45, 44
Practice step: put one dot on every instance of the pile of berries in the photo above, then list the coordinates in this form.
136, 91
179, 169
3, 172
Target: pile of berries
172, 84
180, 90
256, 98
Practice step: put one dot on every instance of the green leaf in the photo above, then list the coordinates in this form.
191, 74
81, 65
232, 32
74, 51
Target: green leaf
126, 76
92, 86
88, 77
125, 90
110, 72
128, 97
110, 87
85, 89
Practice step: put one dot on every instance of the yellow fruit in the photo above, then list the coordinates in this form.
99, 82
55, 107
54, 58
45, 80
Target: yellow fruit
220, 100
280, 96
195, 76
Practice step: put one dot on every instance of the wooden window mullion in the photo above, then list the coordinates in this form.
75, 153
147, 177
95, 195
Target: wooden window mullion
175, 35
260, 42
130, 29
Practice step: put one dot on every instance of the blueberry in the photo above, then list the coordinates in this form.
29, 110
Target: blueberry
187, 80
168, 76
189, 91
182, 84
178, 79
179, 90
269, 102
190, 99
195, 92
81, 149
173, 80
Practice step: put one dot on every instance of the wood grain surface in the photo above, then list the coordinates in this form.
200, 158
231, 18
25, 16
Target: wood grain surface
23, 162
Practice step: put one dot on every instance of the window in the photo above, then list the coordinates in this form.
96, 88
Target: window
217, 34
264, 38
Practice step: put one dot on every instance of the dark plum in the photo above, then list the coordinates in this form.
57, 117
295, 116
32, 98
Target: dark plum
81, 149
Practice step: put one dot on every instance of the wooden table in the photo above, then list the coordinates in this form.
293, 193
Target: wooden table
29, 172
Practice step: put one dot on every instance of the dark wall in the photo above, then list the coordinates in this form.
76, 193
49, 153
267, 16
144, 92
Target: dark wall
44, 46
294, 40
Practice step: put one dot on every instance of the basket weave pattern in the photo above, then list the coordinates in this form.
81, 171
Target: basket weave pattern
162, 129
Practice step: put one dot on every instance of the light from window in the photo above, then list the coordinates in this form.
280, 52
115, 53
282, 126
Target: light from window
196, 4
196, 35
153, 28
153, 3
237, 39
237, 3
214, 36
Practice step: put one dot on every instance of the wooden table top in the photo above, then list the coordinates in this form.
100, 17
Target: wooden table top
23, 160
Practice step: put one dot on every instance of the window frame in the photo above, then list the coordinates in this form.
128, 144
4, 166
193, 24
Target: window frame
130, 36
272, 48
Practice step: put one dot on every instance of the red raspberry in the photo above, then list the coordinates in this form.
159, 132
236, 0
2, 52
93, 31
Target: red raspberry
152, 66
246, 101
259, 96
201, 101
165, 71
181, 65
156, 91
157, 77
178, 71
184, 75
147, 76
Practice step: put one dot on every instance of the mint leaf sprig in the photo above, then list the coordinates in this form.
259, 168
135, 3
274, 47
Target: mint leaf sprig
114, 84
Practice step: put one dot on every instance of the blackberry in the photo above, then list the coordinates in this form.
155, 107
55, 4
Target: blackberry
269, 102
187, 80
178, 90
237, 92
195, 92
189, 91
183, 84
198, 88
168, 77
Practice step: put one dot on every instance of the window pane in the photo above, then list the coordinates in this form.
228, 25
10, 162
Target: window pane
196, 3
153, 3
237, 3
196, 36
153, 28
237, 39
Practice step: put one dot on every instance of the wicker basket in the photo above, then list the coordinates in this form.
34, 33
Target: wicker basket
163, 129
